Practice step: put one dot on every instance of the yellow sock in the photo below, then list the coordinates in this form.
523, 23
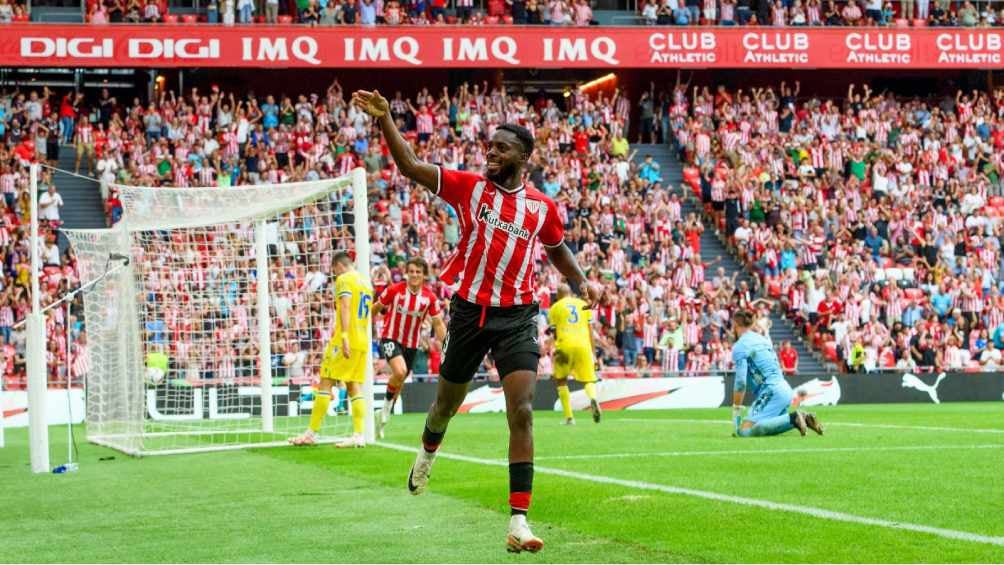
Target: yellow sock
358, 413
566, 400
320, 409
590, 390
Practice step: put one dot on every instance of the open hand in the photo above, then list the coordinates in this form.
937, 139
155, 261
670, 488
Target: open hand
592, 294
371, 102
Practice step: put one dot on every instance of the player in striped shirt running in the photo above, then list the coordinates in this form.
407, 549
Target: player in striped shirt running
494, 308
405, 306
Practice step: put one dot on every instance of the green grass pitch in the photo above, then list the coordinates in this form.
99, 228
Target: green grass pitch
928, 466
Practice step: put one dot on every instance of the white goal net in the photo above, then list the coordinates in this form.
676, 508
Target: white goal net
190, 350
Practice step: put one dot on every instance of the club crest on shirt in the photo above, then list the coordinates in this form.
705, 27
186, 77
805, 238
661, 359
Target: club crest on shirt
533, 206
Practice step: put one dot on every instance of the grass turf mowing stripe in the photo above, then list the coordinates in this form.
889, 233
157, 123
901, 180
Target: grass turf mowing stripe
827, 424
767, 504
765, 451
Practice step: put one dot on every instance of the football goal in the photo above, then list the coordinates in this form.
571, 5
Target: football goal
207, 329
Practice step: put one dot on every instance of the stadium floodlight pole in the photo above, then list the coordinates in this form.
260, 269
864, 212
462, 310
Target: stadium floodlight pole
360, 211
38, 430
264, 326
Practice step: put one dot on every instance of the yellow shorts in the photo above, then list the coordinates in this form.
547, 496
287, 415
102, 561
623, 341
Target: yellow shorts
337, 367
576, 360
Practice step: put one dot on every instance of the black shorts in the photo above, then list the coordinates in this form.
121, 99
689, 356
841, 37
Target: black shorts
390, 349
508, 333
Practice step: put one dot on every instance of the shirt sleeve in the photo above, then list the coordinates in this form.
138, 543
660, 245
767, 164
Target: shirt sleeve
553, 232
454, 186
387, 296
742, 370
342, 287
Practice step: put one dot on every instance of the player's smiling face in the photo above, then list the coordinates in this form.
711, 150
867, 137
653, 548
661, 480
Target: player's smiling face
416, 276
506, 156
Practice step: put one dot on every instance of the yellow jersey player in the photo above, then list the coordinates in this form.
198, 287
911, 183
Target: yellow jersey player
345, 356
570, 319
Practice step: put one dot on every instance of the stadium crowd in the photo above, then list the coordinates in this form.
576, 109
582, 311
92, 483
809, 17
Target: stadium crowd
30, 128
874, 222
799, 13
350, 12
660, 310
870, 222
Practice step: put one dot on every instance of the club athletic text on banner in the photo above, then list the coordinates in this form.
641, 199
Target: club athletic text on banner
29, 45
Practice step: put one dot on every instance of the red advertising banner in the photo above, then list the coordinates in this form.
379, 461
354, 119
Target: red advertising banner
35, 45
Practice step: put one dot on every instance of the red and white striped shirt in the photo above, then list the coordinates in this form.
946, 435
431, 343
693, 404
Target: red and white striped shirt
406, 310
698, 363
650, 334
81, 361
85, 133
499, 229
691, 333
8, 183
424, 122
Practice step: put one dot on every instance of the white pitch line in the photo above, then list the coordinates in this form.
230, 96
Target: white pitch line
755, 502
766, 451
827, 424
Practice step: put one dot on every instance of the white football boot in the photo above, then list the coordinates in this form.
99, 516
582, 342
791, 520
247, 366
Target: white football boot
418, 478
356, 440
520, 538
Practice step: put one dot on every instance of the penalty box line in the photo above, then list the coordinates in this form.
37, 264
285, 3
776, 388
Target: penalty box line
708, 495
827, 424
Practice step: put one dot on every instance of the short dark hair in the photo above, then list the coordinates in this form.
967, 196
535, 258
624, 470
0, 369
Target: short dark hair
342, 257
743, 318
522, 134
420, 263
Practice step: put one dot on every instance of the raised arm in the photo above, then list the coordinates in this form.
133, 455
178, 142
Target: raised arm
404, 156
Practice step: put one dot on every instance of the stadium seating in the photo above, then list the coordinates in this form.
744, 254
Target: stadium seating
891, 286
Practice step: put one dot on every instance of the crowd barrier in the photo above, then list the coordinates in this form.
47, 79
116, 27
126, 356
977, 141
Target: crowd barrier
168, 402
715, 391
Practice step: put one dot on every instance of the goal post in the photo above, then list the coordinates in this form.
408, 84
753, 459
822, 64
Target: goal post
211, 336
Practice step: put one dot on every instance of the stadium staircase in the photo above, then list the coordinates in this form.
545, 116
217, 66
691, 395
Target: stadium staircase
82, 205
713, 247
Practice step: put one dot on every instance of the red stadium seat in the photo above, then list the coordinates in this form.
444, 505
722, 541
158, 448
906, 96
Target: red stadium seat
189, 18
285, 19
492, 20
914, 293
507, 19
171, 19
997, 201
902, 22
919, 23
452, 20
